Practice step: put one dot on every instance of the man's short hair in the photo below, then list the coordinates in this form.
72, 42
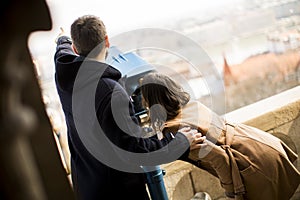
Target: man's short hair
88, 34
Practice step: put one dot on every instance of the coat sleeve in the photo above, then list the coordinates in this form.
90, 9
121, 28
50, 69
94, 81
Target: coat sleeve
64, 47
218, 159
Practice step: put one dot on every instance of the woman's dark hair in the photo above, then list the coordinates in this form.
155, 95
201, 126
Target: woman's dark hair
159, 89
88, 34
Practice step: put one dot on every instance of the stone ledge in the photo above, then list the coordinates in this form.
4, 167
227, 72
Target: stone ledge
278, 109
175, 172
276, 118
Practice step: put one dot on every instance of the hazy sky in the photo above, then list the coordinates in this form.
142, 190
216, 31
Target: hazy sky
118, 15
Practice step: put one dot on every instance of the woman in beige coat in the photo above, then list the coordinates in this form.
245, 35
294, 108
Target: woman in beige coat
250, 164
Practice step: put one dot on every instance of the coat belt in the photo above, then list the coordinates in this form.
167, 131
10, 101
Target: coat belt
238, 185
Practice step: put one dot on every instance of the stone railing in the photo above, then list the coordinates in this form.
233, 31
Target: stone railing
278, 115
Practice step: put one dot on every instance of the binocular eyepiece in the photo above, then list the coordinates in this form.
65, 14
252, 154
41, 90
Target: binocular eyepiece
133, 68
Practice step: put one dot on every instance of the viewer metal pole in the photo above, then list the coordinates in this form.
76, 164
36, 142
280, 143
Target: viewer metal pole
155, 182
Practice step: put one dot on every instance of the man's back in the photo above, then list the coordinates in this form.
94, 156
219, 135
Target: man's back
91, 178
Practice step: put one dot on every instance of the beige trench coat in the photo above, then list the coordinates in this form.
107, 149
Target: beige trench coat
250, 163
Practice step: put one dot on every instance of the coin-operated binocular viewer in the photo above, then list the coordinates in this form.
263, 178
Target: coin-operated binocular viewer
133, 68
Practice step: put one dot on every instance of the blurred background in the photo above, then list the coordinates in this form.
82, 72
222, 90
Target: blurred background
253, 44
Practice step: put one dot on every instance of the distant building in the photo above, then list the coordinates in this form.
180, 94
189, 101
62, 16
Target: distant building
259, 77
280, 42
